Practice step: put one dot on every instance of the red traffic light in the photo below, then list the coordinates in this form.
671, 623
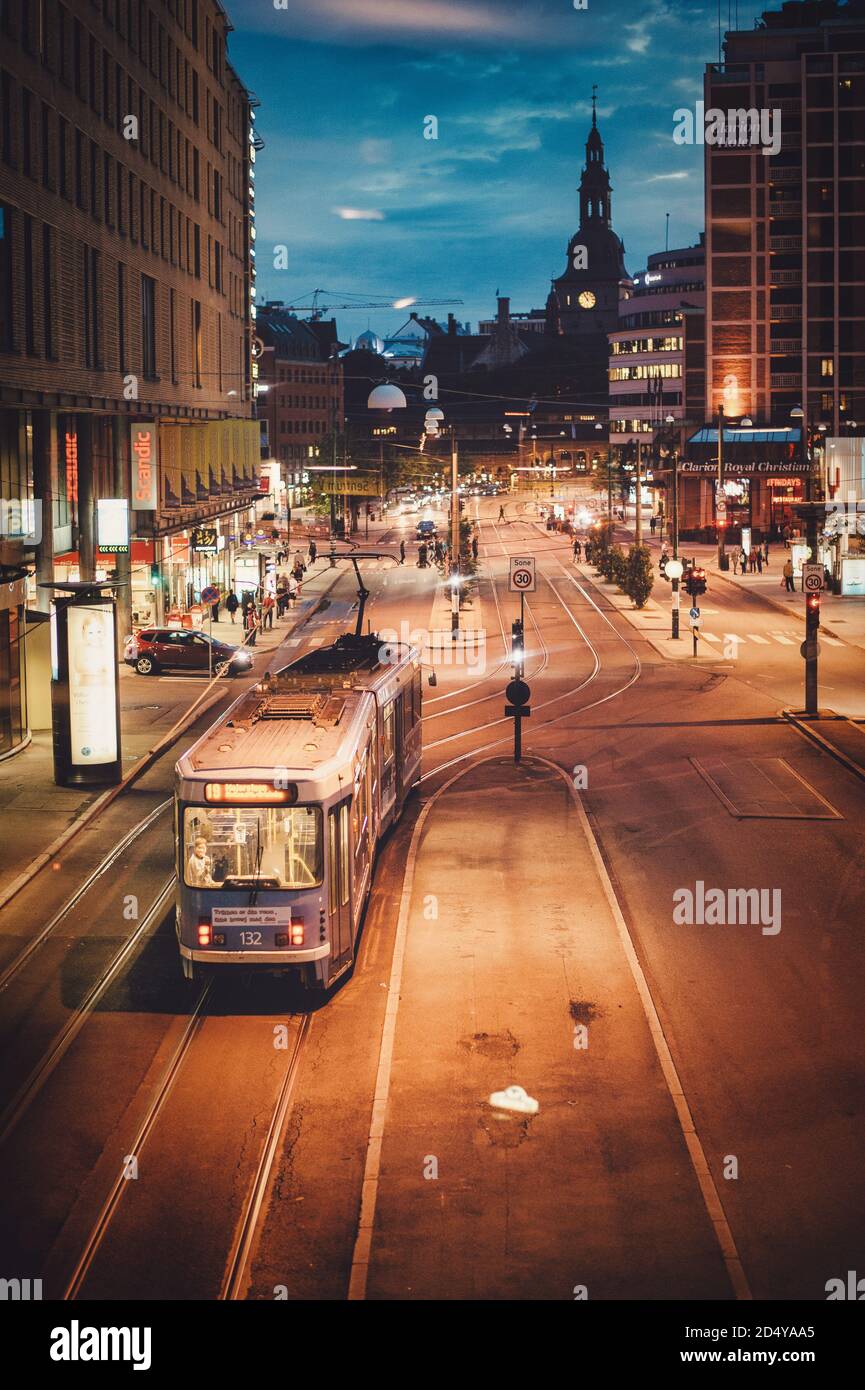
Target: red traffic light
812, 601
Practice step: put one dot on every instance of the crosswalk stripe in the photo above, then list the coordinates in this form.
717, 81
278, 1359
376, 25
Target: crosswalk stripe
786, 641
763, 641
830, 641
710, 637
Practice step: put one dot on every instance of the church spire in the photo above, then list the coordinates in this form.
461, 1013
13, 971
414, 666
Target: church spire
595, 187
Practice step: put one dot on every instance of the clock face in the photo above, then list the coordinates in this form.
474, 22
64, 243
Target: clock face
587, 300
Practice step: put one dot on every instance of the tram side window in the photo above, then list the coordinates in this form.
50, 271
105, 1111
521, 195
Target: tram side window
338, 850
417, 697
343, 857
388, 733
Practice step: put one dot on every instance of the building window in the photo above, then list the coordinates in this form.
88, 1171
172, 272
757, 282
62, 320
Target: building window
91, 308
27, 132
7, 335
148, 325
29, 327
6, 120
62, 166
172, 316
827, 366
47, 291
196, 342
121, 316
79, 169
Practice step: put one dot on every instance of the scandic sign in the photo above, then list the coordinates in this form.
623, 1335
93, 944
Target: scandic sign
144, 451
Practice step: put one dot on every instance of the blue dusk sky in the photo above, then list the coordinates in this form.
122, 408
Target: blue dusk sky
366, 207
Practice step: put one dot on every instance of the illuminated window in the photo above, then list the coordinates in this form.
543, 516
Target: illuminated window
827, 366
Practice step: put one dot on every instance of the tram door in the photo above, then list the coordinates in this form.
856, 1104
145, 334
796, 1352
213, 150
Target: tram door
339, 871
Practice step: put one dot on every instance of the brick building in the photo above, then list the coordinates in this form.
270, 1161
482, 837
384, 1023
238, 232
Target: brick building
127, 152
303, 402
785, 259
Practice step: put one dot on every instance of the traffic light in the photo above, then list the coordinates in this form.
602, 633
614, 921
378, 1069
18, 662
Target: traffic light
155, 575
695, 581
517, 647
812, 614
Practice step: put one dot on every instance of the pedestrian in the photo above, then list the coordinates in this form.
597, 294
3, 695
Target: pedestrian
652, 524
752, 562
501, 513
766, 551
736, 553
250, 624
281, 601
759, 560
402, 552
788, 577
421, 557
474, 549
577, 549
232, 603
313, 552
267, 608
291, 591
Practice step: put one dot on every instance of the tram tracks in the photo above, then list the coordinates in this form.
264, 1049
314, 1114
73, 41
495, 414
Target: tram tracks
60, 1044
241, 1247
620, 689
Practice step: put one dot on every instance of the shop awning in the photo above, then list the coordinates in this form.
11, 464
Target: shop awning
750, 435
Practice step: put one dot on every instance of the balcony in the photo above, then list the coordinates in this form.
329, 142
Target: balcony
786, 381
790, 173
785, 207
785, 277
785, 311
785, 346
785, 243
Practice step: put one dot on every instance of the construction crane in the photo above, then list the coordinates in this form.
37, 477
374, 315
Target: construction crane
316, 309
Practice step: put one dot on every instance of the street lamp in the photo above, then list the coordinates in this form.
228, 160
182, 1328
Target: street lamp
674, 571
670, 421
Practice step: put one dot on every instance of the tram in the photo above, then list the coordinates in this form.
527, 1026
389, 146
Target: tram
281, 805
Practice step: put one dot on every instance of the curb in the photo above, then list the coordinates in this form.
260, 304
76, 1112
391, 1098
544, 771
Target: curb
107, 797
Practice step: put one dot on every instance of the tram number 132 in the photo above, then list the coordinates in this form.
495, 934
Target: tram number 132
250, 938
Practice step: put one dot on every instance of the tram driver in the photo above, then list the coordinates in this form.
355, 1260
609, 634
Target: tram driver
198, 865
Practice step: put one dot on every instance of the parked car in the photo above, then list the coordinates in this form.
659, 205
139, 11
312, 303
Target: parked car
426, 530
169, 648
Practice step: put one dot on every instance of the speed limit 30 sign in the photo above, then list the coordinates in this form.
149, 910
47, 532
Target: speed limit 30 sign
812, 578
522, 576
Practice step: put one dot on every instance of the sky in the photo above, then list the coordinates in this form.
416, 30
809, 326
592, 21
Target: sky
352, 198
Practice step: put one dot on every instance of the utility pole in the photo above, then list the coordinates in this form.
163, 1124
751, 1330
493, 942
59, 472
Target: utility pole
638, 527
720, 500
455, 538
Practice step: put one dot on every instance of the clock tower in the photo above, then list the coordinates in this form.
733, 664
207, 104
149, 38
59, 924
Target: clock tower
585, 299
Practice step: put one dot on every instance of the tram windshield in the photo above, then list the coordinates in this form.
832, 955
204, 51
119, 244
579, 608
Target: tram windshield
252, 847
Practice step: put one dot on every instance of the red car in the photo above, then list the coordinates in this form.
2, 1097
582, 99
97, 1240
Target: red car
170, 648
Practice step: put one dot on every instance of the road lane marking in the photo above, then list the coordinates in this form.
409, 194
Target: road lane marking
763, 641
708, 1189
710, 637
786, 641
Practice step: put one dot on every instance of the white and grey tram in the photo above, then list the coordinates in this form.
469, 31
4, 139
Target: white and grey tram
280, 806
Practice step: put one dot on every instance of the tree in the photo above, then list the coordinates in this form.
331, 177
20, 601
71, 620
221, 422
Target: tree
640, 576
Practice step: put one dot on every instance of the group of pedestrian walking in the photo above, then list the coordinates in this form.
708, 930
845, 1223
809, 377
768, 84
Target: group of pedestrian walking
751, 561
257, 614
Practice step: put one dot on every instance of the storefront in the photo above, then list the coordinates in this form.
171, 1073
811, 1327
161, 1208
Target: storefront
14, 731
763, 481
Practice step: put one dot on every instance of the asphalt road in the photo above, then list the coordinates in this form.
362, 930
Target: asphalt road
749, 1033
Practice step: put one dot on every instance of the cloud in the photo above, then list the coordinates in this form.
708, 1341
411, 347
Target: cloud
406, 19
359, 214
669, 178
375, 151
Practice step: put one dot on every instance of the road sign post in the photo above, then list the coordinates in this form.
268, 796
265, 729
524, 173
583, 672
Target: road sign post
518, 694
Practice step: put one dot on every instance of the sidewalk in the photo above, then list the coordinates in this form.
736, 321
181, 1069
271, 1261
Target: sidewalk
522, 978
35, 811
843, 618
